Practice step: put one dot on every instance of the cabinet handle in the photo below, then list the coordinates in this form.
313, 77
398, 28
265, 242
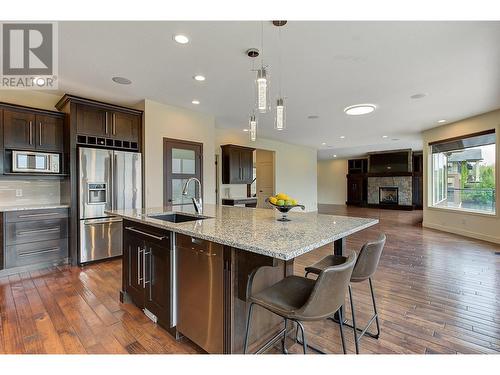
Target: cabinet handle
106, 123
114, 123
40, 133
31, 132
146, 234
28, 253
38, 215
48, 230
139, 278
144, 281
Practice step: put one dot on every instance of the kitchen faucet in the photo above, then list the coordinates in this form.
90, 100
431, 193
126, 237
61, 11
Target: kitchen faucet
197, 202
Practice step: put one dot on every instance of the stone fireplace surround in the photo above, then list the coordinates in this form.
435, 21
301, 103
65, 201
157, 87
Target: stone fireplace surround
403, 183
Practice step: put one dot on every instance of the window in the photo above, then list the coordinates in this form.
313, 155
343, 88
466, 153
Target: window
462, 173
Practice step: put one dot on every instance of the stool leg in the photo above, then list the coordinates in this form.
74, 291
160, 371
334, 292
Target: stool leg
341, 327
304, 341
285, 351
354, 321
374, 309
250, 308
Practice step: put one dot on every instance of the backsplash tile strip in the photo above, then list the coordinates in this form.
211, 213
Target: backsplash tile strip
24, 192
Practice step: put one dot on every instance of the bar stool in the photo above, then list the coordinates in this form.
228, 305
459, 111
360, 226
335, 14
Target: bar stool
299, 299
365, 268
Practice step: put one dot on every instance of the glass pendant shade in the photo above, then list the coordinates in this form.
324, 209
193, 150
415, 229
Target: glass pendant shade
253, 128
262, 90
279, 121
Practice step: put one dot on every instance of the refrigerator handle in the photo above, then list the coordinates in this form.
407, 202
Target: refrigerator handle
113, 179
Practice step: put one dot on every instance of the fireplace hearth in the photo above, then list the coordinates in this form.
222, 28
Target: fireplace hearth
388, 195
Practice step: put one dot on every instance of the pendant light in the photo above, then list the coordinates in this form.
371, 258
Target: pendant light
253, 128
262, 80
279, 117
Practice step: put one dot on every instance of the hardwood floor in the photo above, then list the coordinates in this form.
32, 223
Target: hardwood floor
436, 293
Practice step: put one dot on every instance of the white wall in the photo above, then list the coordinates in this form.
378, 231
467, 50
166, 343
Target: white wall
332, 181
481, 226
166, 121
296, 166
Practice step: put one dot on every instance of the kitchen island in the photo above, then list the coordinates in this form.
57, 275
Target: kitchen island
190, 272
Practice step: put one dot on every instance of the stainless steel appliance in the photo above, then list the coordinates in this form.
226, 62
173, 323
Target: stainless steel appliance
200, 286
38, 162
108, 180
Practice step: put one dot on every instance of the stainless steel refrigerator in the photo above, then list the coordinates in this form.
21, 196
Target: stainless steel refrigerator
108, 180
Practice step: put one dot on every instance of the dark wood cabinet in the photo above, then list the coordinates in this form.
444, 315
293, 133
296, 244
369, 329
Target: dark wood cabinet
91, 120
356, 185
49, 133
147, 269
18, 129
237, 164
101, 122
29, 130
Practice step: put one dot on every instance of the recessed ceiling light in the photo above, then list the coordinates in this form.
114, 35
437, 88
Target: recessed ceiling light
195, 101
122, 80
385, 136
342, 137
245, 130
419, 95
334, 156
199, 77
181, 39
323, 144
359, 109
441, 121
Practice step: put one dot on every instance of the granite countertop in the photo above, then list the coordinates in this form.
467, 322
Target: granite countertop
24, 207
257, 230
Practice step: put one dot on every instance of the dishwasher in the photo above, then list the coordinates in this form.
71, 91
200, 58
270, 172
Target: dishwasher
200, 284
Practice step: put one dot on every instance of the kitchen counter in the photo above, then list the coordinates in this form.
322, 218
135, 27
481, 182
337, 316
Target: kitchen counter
257, 230
24, 207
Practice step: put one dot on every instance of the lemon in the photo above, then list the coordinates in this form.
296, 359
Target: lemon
282, 196
294, 202
273, 200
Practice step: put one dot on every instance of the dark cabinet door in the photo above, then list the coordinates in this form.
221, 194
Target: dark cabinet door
237, 165
158, 281
49, 133
354, 189
234, 166
246, 165
18, 130
92, 121
134, 267
125, 126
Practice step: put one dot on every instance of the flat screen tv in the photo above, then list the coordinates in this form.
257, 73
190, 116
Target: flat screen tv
397, 161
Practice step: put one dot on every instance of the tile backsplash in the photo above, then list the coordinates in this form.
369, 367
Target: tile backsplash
21, 192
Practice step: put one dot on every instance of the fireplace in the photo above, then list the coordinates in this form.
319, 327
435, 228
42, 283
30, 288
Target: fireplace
388, 195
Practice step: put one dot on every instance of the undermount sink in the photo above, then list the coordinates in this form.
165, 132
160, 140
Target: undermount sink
177, 217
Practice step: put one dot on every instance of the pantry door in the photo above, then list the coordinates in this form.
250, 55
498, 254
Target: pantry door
181, 161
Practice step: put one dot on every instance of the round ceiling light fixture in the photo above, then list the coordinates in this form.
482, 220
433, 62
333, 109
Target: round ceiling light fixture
441, 121
181, 39
199, 78
121, 80
195, 101
419, 95
359, 109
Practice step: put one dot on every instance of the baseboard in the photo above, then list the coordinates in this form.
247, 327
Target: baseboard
462, 232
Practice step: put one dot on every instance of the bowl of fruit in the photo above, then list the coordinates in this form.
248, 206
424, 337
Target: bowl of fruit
283, 203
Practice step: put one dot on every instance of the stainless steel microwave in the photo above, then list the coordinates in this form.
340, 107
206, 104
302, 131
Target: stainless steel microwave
35, 162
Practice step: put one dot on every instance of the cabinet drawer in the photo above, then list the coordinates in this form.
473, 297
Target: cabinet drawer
31, 231
32, 215
35, 252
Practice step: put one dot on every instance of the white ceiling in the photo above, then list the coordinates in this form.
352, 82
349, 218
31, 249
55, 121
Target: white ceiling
326, 67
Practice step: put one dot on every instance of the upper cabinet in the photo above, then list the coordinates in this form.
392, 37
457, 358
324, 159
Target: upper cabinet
103, 124
26, 129
237, 164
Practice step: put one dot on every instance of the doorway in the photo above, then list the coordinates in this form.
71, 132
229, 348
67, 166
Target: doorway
265, 176
181, 161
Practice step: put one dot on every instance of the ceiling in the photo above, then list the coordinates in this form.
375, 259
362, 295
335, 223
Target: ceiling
326, 66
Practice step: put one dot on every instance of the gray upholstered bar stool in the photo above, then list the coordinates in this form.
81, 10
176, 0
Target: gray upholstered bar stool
365, 268
299, 299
